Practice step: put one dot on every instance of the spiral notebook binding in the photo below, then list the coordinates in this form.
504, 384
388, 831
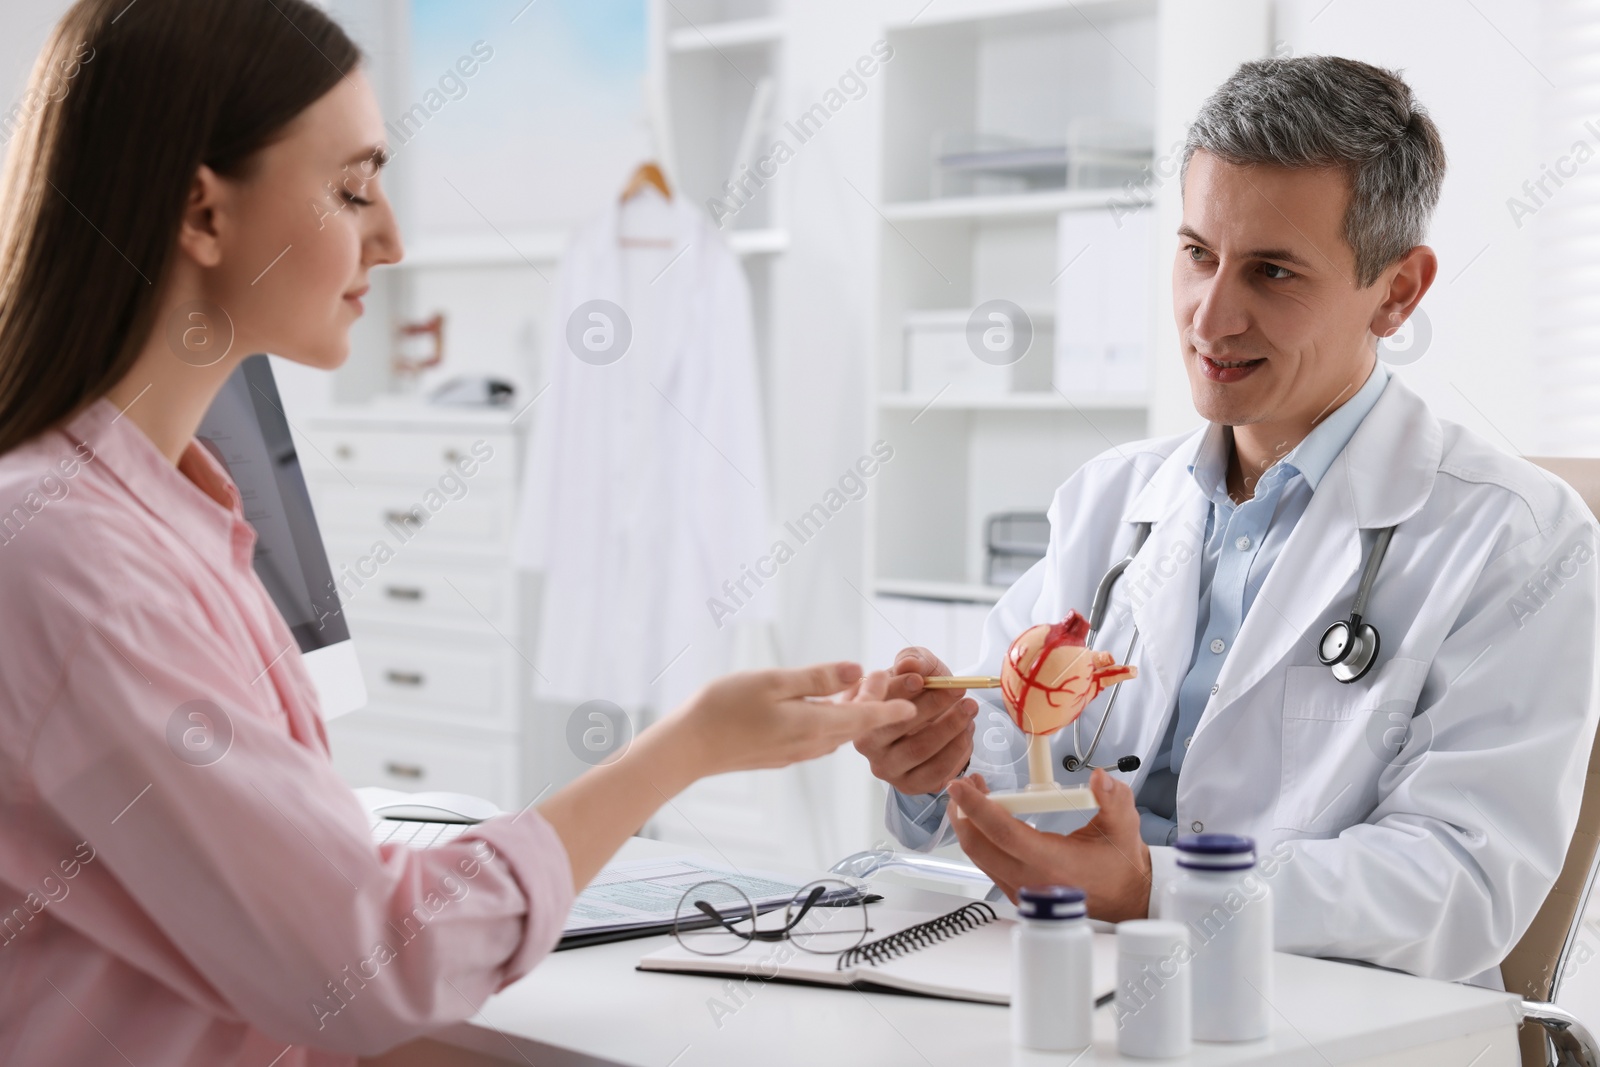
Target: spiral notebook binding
919, 936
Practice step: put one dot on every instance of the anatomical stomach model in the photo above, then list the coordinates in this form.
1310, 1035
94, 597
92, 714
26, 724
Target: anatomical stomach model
1048, 677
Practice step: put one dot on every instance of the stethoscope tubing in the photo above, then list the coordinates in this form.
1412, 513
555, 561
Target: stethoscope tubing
1097, 617
1102, 604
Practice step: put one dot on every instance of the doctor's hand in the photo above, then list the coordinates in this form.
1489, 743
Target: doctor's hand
1106, 858
924, 753
772, 718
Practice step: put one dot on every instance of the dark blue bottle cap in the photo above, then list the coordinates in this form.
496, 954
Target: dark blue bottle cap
1051, 902
1216, 852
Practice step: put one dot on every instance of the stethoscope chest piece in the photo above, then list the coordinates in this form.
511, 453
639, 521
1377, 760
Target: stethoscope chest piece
1350, 648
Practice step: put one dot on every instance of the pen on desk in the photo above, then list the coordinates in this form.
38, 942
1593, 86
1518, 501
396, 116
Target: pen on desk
946, 681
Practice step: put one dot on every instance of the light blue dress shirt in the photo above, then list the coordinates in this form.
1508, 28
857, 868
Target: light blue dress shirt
1241, 543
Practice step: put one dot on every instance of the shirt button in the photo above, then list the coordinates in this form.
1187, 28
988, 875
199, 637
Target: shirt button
1215, 690
1242, 544
1187, 741
1197, 826
1218, 645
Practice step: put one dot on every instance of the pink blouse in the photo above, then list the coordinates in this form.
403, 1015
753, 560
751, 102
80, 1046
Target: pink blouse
183, 877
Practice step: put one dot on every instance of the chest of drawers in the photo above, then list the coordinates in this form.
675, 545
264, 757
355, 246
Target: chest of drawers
417, 508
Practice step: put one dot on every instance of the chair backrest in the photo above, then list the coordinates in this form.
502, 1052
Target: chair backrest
1533, 969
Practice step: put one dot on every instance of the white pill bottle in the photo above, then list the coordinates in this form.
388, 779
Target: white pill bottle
1153, 995
1227, 906
1052, 980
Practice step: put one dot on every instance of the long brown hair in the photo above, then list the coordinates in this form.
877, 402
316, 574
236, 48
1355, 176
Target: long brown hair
123, 106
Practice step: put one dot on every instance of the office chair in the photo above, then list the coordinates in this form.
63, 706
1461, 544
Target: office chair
1549, 1035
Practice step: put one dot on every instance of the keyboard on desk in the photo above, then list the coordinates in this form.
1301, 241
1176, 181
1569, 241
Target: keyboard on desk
416, 833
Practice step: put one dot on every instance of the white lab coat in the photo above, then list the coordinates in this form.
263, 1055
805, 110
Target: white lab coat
1433, 859
646, 480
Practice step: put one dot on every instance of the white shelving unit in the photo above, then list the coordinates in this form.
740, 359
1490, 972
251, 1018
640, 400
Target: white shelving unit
1027, 72
720, 63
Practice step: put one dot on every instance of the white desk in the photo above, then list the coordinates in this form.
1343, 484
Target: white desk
590, 1006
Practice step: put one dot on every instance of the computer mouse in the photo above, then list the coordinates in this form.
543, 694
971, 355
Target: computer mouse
437, 807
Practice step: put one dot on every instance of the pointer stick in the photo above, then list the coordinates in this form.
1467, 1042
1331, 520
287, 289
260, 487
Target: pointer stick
945, 681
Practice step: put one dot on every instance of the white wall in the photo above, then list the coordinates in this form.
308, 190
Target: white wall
24, 25
1474, 67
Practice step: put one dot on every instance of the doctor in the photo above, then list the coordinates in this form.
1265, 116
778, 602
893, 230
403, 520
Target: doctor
1417, 816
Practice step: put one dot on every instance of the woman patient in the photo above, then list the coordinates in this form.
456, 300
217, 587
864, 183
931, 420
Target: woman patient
178, 158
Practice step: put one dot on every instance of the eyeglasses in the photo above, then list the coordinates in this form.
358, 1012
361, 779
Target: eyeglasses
825, 917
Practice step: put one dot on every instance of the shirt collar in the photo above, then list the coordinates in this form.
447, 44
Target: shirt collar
1210, 466
195, 498
1311, 458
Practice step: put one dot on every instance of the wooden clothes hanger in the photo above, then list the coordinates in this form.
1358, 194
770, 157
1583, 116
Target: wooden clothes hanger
648, 175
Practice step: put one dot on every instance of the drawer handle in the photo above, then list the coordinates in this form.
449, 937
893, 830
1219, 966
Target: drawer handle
453, 455
402, 592
411, 678
403, 770
344, 452
400, 518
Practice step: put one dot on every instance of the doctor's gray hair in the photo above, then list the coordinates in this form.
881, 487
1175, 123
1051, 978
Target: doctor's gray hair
1325, 111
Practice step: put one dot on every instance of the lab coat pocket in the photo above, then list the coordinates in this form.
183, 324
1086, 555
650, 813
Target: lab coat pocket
1338, 740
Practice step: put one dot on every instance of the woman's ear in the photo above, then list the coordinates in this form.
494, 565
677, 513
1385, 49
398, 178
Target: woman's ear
199, 232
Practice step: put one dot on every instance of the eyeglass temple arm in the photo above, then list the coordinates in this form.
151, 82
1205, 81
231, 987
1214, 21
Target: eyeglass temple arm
707, 909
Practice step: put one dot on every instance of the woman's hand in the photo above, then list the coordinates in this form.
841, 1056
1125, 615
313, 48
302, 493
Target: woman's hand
773, 718
737, 723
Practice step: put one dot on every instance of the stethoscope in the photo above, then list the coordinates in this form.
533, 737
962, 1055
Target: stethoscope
1349, 646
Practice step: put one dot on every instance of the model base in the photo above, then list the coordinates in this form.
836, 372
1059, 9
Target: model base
1034, 799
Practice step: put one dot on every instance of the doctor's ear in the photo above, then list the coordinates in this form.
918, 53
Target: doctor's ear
1405, 283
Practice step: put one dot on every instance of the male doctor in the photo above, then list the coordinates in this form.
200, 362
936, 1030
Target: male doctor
1414, 818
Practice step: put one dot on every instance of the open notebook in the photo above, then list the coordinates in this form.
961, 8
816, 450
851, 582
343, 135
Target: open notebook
961, 955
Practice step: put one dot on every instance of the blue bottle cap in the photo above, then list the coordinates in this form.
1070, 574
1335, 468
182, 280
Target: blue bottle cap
1051, 902
1216, 852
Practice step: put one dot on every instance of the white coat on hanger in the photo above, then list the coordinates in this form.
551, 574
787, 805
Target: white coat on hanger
646, 480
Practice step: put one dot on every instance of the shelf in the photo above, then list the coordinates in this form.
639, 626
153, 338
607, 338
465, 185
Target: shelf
757, 242
1023, 14
969, 592
1016, 205
740, 33
542, 248
396, 412
1017, 402
527, 247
